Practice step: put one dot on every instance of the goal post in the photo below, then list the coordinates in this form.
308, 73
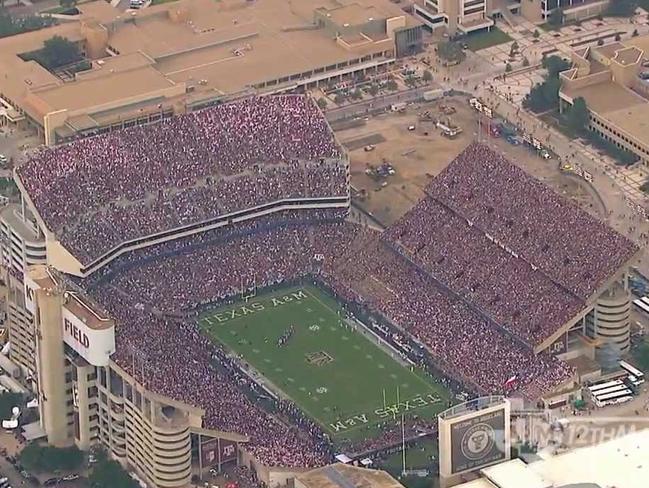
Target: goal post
248, 288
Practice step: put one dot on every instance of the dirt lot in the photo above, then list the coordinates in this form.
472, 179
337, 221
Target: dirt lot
421, 154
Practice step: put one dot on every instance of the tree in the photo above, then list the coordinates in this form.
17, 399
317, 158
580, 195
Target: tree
550, 90
451, 51
578, 116
556, 17
10, 26
526, 62
554, 65
427, 76
8, 401
357, 94
508, 68
58, 51
339, 98
513, 50
322, 103
373, 89
110, 474
536, 34
38, 458
634, 33
392, 85
618, 37
545, 96
67, 3
600, 42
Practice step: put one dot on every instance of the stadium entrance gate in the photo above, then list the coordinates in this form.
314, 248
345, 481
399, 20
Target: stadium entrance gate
215, 452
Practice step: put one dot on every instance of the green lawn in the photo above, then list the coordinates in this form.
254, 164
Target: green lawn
485, 39
333, 373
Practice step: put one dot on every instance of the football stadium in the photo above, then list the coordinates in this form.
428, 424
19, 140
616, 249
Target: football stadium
203, 302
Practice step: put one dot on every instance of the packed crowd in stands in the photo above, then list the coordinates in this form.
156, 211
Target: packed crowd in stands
570, 246
174, 359
418, 295
359, 268
512, 293
98, 192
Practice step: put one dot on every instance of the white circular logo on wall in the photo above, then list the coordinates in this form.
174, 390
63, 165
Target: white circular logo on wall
478, 441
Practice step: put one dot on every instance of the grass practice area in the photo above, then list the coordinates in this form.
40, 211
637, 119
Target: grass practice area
485, 39
297, 339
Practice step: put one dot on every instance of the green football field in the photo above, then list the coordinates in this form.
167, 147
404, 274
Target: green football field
333, 372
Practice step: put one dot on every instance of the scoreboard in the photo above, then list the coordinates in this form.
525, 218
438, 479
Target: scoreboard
473, 435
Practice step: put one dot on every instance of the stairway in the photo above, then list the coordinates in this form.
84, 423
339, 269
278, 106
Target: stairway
505, 12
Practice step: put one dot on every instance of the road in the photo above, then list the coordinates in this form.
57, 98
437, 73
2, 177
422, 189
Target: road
376, 104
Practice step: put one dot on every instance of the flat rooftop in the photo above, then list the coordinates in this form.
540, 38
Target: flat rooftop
605, 98
612, 100
515, 473
619, 463
346, 476
634, 120
206, 47
99, 91
641, 42
88, 314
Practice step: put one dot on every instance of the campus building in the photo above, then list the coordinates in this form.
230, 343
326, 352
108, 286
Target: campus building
21, 244
458, 16
466, 16
608, 79
340, 475
140, 66
573, 10
615, 458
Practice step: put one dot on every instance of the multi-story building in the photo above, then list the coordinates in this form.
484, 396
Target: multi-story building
573, 10
466, 16
607, 78
22, 244
458, 16
172, 58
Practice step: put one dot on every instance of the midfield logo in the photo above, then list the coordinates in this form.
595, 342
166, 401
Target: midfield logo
318, 358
